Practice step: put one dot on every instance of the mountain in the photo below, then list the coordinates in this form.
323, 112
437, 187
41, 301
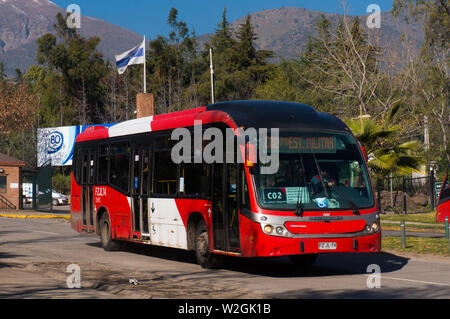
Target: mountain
22, 22
285, 30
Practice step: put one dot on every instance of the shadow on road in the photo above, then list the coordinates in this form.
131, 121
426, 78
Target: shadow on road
281, 267
155, 252
4, 256
325, 265
428, 291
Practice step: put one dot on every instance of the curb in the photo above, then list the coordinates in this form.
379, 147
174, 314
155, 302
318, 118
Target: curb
34, 216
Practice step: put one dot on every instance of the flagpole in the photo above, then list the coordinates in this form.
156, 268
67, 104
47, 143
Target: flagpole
145, 69
212, 75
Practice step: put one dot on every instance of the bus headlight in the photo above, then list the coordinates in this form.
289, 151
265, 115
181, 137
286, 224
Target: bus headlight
274, 230
279, 230
373, 228
268, 229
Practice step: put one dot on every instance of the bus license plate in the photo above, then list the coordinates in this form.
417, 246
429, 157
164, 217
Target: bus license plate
327, 246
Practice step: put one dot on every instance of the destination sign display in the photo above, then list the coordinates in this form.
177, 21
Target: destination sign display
304, 144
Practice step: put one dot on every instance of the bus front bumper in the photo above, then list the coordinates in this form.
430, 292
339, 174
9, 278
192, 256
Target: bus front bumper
257, 243
269, 246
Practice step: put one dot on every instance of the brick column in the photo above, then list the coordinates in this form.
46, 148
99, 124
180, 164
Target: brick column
145, 105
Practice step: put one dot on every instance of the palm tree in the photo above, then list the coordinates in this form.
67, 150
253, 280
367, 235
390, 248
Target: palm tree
386, 153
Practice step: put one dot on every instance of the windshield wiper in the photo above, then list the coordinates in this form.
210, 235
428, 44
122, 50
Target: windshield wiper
320, 174
299, 206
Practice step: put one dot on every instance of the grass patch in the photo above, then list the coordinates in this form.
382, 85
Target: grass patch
435, 246
429, 218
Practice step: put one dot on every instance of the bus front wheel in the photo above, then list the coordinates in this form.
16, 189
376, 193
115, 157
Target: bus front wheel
205, 258
108, 243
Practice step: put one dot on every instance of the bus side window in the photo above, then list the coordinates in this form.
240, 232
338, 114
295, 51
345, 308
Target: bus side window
92, 165
103, 162
196, 178
166, 171
85, 167
165, 176
146, 167
76, 164
120, 165
136, 182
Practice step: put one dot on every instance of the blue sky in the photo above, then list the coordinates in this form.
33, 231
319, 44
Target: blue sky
149, 16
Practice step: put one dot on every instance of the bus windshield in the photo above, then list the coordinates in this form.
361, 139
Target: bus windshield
317, 171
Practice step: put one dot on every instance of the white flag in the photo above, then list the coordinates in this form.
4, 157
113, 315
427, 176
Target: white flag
131, 57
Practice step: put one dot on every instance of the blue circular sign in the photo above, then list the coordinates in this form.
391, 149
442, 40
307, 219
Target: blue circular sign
55, 141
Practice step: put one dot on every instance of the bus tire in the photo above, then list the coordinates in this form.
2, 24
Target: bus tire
205, 258
303, 261
107, 242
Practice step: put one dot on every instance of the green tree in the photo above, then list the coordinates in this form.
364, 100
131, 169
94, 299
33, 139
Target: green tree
239, 68
387, 153
223, 39
428, 78
436, 17
80, 66
173, 67
52, 100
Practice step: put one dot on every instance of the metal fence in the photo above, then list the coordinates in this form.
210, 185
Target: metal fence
406, 194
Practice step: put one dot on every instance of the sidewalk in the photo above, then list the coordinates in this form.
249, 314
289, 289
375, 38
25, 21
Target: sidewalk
29, 213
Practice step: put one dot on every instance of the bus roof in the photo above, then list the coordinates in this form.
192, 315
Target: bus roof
248, 113
277, 114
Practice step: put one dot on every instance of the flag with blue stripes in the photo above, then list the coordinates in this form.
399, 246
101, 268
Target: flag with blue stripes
131, 57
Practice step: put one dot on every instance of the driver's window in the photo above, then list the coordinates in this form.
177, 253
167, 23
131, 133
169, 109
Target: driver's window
356, 178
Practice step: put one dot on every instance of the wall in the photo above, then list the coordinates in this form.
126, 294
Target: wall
13, 192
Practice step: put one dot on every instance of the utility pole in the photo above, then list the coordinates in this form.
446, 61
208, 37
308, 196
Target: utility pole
426, 142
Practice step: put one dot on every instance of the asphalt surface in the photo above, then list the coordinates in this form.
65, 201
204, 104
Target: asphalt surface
35, 254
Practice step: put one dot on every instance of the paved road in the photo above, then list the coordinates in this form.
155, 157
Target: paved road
35, 253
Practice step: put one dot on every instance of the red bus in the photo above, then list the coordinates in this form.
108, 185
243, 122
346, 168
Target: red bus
126, 187
443, 209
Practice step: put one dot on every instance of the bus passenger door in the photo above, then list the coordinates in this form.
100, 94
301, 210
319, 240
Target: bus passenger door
140, 191
224, 208
232, 208
87, 200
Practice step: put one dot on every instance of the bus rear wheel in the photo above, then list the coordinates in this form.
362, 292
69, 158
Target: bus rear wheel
108, 243
205, 258
303, 261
